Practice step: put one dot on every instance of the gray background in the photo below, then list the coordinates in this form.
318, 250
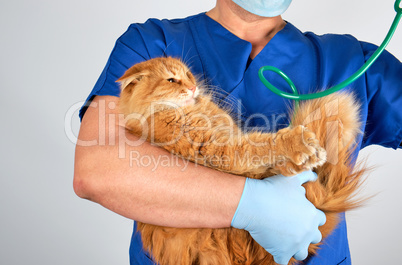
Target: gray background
51, 54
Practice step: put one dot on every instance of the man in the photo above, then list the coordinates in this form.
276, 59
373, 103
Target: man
227, 46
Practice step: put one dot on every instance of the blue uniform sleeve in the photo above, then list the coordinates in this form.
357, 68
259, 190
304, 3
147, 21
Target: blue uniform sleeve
384, 95
131, 48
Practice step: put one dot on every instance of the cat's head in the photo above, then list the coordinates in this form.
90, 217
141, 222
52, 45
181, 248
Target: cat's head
159, 81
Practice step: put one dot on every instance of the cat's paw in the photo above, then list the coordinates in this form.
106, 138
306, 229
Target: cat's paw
297, 150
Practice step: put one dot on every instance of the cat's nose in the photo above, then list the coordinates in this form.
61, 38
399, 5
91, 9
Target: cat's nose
192, 89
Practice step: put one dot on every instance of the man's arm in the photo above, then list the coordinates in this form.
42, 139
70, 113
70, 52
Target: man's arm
194, 197
174, 193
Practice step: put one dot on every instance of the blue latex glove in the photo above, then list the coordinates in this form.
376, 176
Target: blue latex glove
278, 216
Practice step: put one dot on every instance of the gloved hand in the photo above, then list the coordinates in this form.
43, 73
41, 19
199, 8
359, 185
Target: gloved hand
278, 216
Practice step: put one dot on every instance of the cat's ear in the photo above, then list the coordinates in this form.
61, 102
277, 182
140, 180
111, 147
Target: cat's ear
131, 77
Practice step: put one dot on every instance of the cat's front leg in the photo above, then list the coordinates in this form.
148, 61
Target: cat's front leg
297, 149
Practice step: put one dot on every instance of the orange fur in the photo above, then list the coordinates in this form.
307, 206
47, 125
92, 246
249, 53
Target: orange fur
175, 115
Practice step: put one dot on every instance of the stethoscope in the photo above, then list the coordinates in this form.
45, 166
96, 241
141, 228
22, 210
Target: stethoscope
296, 96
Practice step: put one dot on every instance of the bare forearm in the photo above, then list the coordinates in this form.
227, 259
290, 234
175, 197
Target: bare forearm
148, 184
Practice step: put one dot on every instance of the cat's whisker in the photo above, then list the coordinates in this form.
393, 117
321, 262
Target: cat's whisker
226, 98
182, 49
188, 61
167, 46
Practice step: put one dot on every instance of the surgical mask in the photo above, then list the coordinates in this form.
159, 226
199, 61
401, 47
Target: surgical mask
264, 8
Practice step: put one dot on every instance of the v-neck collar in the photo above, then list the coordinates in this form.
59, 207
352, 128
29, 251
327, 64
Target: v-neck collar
231, 36
221, 50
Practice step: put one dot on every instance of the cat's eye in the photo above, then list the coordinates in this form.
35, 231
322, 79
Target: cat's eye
173, 80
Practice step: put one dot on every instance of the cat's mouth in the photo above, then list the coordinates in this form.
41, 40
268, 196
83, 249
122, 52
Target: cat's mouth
189, 98
190, 101
187, 101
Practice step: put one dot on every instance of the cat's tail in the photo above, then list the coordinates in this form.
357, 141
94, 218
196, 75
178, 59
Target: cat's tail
335, 121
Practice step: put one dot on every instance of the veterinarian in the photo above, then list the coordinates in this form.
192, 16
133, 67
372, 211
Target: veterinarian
226, 46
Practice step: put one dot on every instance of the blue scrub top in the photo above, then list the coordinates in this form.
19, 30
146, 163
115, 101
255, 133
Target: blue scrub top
312, 62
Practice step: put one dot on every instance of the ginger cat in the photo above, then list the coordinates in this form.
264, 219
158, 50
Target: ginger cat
177, 115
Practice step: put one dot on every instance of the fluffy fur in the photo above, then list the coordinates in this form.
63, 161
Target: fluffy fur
168, 108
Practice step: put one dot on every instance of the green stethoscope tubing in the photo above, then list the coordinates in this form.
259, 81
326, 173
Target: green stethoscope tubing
295, 96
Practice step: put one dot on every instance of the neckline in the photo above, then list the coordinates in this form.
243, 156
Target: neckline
231, 35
